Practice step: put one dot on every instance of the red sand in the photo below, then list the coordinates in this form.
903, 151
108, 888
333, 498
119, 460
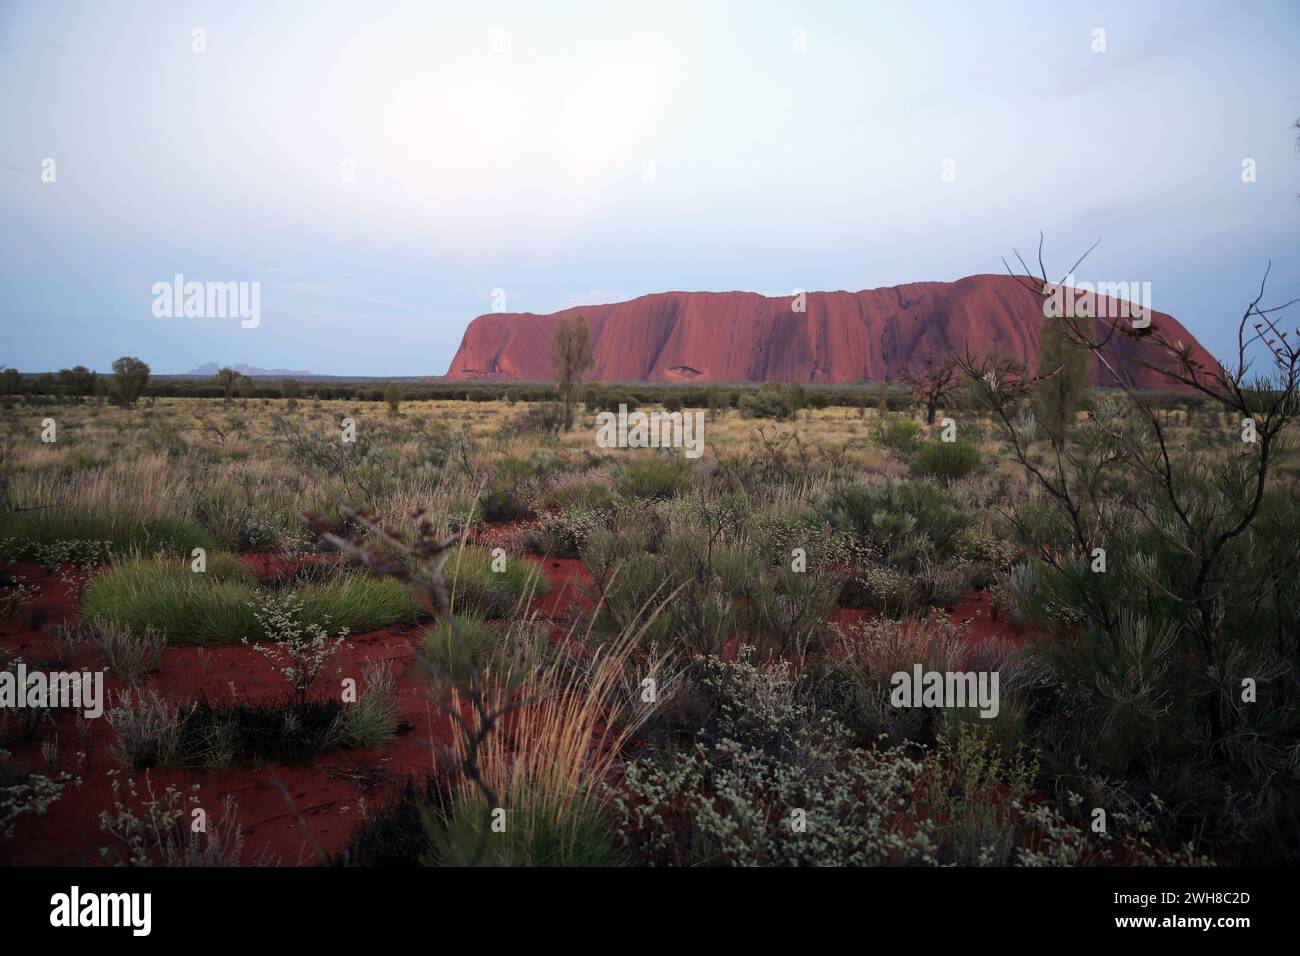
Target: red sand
326, 793
323, 805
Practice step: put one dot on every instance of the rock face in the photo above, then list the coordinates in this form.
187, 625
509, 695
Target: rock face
742, 336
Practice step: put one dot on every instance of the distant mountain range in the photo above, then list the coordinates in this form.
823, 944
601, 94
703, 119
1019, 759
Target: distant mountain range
252, 371
839, 337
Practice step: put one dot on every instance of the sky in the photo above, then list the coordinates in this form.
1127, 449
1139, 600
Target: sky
387, 171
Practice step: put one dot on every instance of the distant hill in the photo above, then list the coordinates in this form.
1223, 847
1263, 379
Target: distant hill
252, 371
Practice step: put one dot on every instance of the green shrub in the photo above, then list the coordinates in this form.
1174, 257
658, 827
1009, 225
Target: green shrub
658, 476
632, 588
589, 494
609, 399
768, 401
897, 516
504, 500
900, 435
947, 461
786, 610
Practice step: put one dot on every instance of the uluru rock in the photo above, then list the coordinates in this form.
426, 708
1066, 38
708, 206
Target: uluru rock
876, 334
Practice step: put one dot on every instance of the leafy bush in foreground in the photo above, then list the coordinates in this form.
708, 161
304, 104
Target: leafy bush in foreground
902, 518
764, 765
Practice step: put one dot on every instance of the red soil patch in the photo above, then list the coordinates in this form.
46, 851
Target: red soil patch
292, 814
318, 807
570, 587
973, 613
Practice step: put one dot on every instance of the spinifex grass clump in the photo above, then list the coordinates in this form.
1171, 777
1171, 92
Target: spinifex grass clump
217, 606
47, 508
478, 588
459, 647
559, 737
538, 731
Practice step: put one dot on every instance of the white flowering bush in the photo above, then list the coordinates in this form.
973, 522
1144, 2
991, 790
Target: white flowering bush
259, 532
81, 554
736, 805
563, 534
150, 828
26, 794
769, 781
883, 588
1054, 841
299, 651
147, 728
18, 595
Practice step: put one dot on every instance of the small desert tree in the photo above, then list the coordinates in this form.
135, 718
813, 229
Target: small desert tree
227, 379
1064, 369
933, 383
393, 395
130, 378
571, 353
77, 382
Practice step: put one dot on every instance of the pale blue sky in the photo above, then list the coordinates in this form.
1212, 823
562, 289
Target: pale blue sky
506, 145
